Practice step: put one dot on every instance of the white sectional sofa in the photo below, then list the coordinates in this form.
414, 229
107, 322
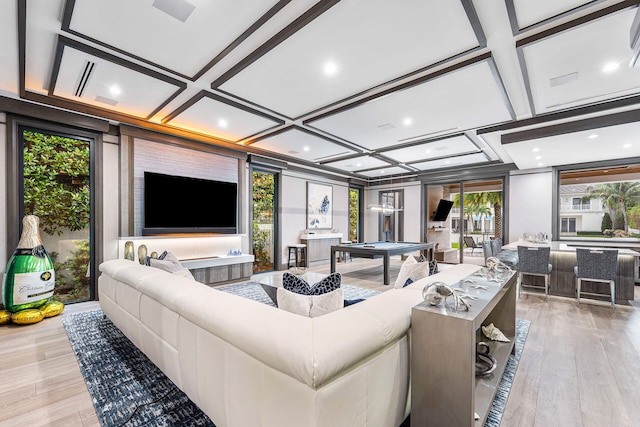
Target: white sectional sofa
245, 363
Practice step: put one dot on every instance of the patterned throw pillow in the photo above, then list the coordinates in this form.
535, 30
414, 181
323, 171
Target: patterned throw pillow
433, 267
300, 286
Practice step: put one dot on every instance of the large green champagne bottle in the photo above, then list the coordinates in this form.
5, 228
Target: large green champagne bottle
29, 278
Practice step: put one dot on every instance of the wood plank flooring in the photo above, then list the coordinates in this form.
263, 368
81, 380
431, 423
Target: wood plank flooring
580, 365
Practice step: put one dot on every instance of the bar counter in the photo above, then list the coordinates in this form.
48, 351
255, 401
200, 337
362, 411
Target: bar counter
563, 259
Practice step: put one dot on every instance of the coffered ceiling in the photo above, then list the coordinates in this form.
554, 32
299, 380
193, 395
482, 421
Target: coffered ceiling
361, 88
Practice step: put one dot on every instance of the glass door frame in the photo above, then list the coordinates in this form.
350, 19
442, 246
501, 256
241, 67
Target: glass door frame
276, 216
16, 126
452, 180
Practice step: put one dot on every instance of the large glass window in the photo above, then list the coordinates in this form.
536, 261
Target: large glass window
264, 220
478, 218
599, 203
355, 214
56, 188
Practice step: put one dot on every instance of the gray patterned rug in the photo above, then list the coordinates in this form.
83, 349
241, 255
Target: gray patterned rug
127, 389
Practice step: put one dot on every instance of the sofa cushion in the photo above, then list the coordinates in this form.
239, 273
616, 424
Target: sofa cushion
310, 305
300, 286
411, 269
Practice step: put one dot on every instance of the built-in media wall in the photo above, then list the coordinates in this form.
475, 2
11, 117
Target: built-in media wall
172, 161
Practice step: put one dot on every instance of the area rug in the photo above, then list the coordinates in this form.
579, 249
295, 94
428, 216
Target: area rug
253, 290
127, 389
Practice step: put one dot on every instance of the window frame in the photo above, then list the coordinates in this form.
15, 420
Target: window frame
16, 125
556, 225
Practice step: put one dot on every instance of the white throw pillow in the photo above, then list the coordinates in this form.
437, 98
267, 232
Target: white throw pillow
411, 269
310, 305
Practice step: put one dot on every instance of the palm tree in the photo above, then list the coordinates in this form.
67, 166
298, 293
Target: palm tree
616, 194
494, 198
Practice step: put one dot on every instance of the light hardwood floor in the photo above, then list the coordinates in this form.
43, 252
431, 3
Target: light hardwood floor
580, 365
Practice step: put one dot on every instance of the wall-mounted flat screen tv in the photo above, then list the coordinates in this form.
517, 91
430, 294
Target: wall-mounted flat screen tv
442, 211
179, 204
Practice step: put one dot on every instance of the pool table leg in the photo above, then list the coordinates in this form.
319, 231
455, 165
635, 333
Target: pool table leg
386, 269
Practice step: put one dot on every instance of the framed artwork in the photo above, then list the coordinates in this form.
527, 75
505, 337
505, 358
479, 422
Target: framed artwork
319, 206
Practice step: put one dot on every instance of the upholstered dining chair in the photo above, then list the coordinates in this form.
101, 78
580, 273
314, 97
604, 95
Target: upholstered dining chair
534, 261
596, 265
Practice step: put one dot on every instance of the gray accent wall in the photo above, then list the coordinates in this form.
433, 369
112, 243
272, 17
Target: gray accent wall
173, 160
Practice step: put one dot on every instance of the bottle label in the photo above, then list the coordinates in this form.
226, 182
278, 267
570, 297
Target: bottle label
31, 287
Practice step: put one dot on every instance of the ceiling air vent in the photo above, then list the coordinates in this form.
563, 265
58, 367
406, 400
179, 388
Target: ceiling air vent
179, 9
105, 100
563, 80
386, 126
84, 78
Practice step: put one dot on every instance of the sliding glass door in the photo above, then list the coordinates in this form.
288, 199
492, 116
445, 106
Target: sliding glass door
264, 211
475, 217
56, 187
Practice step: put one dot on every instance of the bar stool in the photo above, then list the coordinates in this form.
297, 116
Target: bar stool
297, 254
534, 262
594, 265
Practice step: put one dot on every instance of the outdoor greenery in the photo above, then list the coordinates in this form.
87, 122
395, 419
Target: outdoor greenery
617, 197
482, 204
56, 181
56, 189
354, 204
263, 207
72, 281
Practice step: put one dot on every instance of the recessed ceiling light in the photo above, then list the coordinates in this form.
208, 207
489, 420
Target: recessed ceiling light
538, 157
427, 151
330, 68
223, 123
535, 149
627, 145
610, 67
306, 148
382, 171
593, 136
115, 90
446, 162
540, 164
358, 164
407, 121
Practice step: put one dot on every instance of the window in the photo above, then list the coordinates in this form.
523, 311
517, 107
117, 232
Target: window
568, 225
600, 202
355, 214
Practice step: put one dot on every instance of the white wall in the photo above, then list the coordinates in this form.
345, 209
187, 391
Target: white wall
411, 212
293, 207
530, 203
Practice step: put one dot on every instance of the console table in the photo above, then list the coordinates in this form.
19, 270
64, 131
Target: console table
206, 256
444, 388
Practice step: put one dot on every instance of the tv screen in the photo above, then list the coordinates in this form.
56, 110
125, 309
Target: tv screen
442, 211
179, 204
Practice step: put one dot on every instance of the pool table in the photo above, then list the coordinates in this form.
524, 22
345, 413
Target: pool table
380, 250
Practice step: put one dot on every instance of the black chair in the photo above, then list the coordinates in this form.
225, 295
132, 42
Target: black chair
297, 255
534, 261
596, 265
470, 243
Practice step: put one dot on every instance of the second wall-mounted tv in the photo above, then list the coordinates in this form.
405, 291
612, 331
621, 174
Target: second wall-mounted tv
442, 211
180, 204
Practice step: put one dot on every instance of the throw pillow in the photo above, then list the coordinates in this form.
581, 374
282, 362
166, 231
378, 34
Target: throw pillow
411, 269
300, 286
170, 263
310, 305
433, 267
